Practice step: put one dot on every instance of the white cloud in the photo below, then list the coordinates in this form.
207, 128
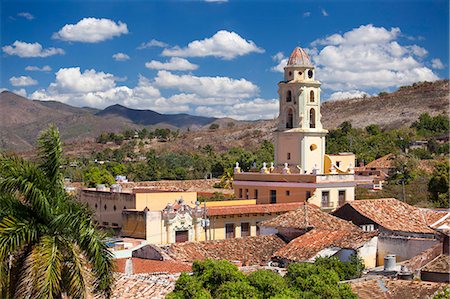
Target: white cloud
219, 96
282, 62
306, 14
324, 13
22, 81
121, 57
26, 15
207, 86
351, 94
152, 43
72, 80
91, 30
223, 44
369, 57
32, 68
437, 64
23, 49
174, 64
244, 110
21, 92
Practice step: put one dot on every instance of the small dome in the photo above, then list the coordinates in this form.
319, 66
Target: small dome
298, 57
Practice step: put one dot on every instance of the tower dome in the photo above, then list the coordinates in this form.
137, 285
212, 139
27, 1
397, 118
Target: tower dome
298, 57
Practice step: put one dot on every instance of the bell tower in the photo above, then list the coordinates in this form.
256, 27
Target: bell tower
300, 138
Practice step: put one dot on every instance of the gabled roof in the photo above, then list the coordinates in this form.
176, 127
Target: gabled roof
252, 209
152, 266
308, 216
420, 260
440, 264
383, 162
255, 250
392, 214
307, 246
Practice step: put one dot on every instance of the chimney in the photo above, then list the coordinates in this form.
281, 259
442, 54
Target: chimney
389, 263
129, 266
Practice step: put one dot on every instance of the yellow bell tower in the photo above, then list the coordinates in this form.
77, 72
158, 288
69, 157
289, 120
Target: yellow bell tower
300, 138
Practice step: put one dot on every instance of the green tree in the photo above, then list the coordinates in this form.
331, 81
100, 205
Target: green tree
213, 127
49, 245
439, 186
188, 286
237, 290
267, 283
95, 175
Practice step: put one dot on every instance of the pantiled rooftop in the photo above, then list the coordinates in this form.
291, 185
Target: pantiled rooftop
152, 266
393, 214
310, 244
423, 258
395, 289
383, 162
440, 264
255, 250
253, 209
306, 217
143, 286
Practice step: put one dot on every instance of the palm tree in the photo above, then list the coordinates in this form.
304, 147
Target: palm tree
49, 245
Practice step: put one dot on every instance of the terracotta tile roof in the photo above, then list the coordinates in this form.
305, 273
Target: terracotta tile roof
392, 214
383, 162
423, 258
310, 244
440, 264
253, 209
249, 250
299, 57
143, 286
152, 266
306, 217
395, 289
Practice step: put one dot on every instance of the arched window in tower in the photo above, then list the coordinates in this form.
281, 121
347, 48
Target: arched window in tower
288, 96
312, 118
290, 119
311, 96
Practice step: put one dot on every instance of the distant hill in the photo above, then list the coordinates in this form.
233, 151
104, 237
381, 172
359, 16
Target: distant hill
149, 117
22, 119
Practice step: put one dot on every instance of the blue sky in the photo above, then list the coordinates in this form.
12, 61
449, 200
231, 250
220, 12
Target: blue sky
218, 58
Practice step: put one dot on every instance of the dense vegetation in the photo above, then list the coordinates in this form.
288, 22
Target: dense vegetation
49, 245
410, 182
221, 279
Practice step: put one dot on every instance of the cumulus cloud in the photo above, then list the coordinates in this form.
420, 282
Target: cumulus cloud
152, 43
218, 96
437, 64
368, 57
244, 110
32, 68
121, 57
324, 13
23, 49
207, 86
224, 44
174, 64
339, 95
91, 30
21, 92
282, 62
26, 15
22, 81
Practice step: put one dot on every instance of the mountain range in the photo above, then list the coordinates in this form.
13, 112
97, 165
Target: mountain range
22, 119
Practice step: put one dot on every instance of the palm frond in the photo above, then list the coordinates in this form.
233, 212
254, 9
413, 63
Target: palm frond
14, 234
50, 153
76, 274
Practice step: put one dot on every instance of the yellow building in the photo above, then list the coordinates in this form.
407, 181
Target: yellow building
302, 170
108, 205
180, 222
